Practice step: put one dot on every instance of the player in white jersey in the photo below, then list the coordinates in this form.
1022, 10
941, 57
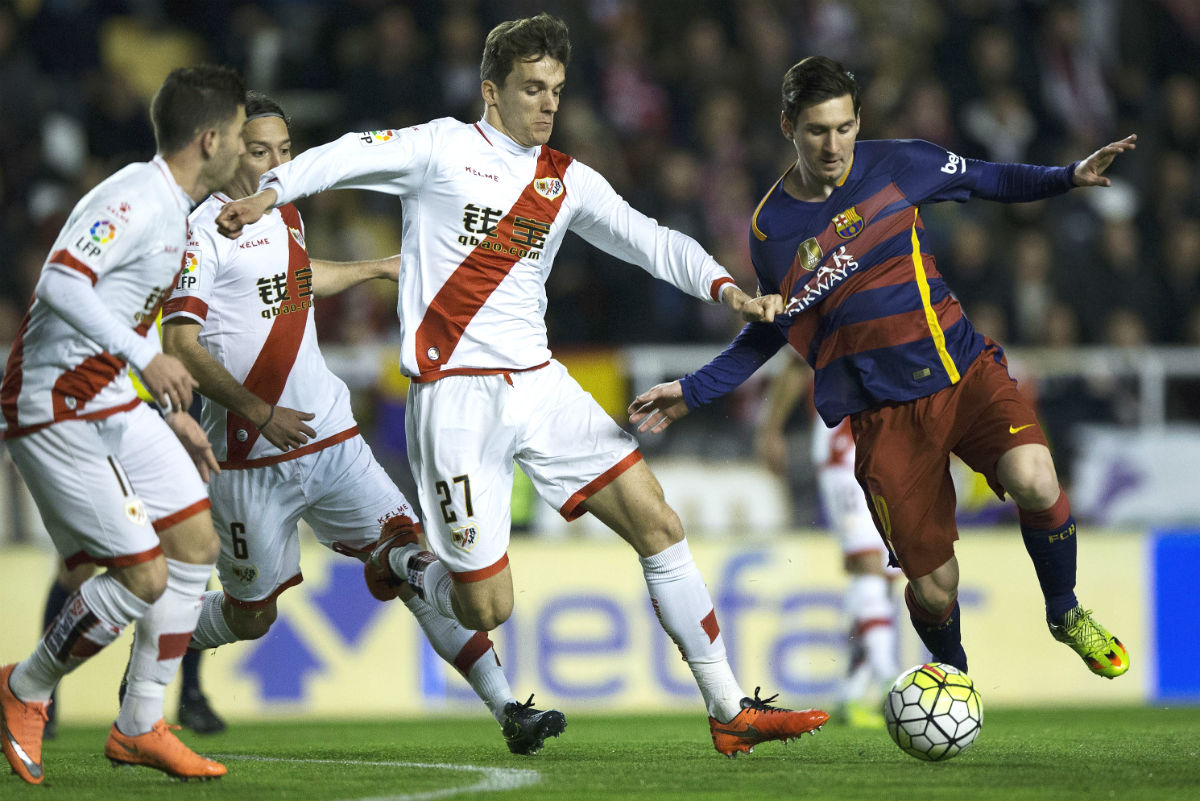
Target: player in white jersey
114, 483
867, 601
241, 318
486, 206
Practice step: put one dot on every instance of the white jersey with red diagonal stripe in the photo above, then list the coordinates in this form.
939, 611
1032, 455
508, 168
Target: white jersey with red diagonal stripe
253, 299
127, 237
483, 219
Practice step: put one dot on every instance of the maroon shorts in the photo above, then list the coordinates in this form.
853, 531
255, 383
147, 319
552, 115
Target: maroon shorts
903, 459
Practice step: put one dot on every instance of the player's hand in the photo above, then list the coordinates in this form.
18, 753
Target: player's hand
1090, 171
237, 214
194, 442
762, 309
169, 382
286, 428
658, 407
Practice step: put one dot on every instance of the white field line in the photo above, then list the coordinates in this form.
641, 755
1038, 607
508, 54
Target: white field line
493, 779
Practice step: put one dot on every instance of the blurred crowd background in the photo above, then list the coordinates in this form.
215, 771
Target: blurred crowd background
677, 103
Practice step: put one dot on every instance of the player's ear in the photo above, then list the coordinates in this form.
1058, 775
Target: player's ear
490, 92
208, 142
785, 125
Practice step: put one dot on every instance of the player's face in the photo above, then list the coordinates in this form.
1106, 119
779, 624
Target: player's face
268, 144
823, 135
524, 107
226, 147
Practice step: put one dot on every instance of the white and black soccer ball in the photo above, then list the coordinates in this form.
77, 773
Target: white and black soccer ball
933, 712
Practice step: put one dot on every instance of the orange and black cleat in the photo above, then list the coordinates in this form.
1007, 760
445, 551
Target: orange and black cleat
759, 722
161, 750
21, 726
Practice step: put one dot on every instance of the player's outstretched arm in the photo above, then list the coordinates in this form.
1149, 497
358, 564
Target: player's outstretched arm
332, 277
283, 427
1090, 171
237, 214
761, 309
194, 442
658, 407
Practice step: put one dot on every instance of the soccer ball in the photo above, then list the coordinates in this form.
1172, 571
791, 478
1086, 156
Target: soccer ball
933, 712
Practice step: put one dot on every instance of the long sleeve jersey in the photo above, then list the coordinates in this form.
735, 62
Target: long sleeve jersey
866, 306
483, 218
111, 266
253, 299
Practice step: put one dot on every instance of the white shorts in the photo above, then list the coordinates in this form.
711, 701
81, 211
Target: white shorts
106, 487
845, 507
340, 491
465, 432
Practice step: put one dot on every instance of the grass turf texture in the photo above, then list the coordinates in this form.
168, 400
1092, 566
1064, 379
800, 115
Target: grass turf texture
1021, 754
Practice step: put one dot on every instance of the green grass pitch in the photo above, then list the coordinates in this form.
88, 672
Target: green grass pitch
1124, 753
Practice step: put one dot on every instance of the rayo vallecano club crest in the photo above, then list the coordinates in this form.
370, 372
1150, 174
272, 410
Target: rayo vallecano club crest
548, 188
848, 223
809, 254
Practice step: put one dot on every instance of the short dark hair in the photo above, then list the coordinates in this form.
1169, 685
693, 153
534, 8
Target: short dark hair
528, 39
259, 104
192, 99
815, 80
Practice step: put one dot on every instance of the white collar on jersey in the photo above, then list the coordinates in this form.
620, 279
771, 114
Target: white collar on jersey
505, 141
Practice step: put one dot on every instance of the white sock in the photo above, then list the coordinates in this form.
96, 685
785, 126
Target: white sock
873, 620
160, 640
470, 652
212, 630
686, 611
90, 619
426, 575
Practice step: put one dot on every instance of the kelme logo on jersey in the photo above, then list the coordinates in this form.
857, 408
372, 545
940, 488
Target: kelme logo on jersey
848, 223
369, 138
102, 232
548, 188
465, 537
809, 254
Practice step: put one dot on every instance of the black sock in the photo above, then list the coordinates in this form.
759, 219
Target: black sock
942, 637
189, 672
1053, 554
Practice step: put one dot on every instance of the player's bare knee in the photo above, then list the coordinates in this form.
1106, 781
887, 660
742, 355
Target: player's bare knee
1028, 475
250, 624
482, 614
654, 530
147, 580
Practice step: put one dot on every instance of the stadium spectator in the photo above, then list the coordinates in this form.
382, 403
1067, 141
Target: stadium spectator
485, 208
82, 439
840, 236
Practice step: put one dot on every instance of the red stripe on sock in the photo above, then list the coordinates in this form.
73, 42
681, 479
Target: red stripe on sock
475, 648
173, 646
1048, 519
710, 625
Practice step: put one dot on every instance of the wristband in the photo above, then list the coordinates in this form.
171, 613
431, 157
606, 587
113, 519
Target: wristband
264, 423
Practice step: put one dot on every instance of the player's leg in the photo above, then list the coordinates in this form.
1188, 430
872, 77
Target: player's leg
632, 504
66, 582
87, 505
867, 601
1006, 444
904, 470
352, 494
176, 501
255, 514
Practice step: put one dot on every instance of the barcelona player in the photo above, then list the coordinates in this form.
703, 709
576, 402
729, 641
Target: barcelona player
840, 238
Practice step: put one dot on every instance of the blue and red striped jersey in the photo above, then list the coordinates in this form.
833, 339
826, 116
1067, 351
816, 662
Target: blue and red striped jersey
866, 306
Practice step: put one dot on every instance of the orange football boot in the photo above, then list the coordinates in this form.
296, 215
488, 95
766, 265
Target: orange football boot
161, 750
21, 727
759, 722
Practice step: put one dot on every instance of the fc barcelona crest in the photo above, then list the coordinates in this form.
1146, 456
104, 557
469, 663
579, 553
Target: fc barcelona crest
848, 223
548, 188
809, 254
